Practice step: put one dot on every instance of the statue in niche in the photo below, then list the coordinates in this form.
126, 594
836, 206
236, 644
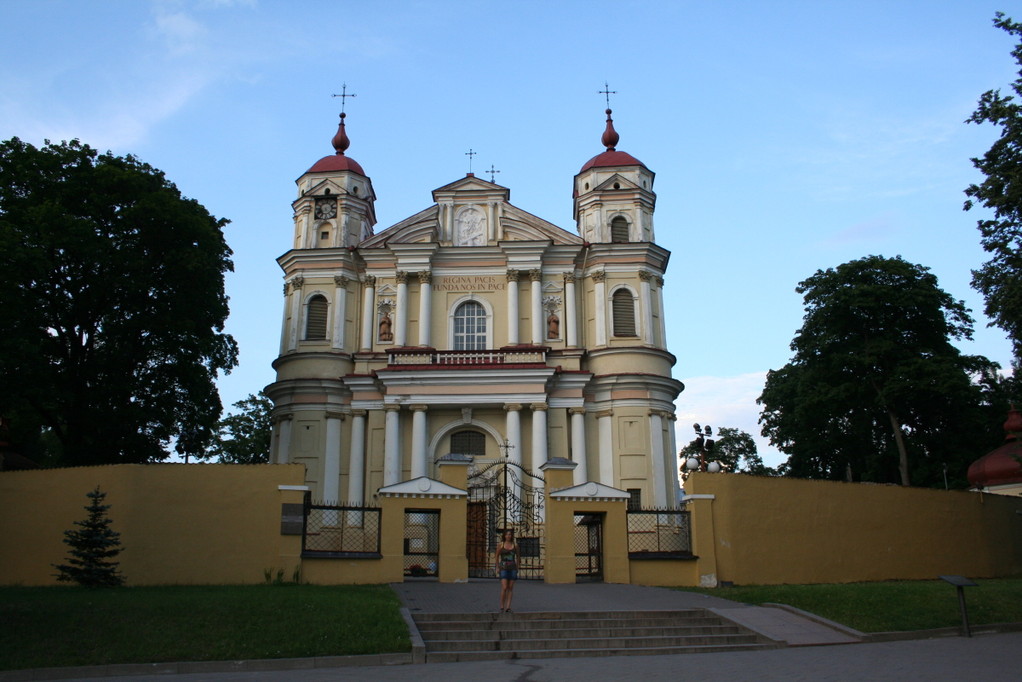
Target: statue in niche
553, 326
471, 228
385, 328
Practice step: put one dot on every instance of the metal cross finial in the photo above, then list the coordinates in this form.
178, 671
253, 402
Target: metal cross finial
470, 154
606, 92
492, 171
344, 95
506, 446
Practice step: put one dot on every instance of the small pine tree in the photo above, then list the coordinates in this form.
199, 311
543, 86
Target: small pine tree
92, 547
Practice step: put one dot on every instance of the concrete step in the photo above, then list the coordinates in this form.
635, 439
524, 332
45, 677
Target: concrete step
489, 636
588, 643
458, 656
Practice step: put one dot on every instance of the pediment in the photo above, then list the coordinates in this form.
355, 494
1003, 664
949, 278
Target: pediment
473, 186
519, 225
320, 188
421, 227
421, 487
590, 490
623, 184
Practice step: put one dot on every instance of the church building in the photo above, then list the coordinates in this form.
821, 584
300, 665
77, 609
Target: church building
476, 328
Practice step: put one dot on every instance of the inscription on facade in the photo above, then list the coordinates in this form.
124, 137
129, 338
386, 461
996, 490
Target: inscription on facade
469, 283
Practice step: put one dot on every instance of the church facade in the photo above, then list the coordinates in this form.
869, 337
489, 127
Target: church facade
475, 328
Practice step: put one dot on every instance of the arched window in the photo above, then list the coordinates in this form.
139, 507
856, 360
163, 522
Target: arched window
468, 443
618, 230
315, 318
623, 308
470, 326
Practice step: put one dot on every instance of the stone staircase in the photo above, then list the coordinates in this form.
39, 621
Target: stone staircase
450, 637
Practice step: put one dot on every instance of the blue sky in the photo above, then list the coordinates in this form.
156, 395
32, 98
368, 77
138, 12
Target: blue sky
786, 136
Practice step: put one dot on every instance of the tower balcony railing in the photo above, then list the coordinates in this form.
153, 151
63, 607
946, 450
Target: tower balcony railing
422, 357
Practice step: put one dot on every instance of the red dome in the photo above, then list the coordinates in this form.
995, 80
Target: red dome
1003, 465
335, 163
611, 158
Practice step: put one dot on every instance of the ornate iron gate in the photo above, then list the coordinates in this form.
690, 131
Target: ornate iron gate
422, 543
504, 495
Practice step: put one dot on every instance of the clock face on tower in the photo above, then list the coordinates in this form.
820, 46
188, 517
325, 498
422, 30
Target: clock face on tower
326, 208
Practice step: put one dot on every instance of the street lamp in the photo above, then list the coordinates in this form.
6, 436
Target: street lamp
704, 451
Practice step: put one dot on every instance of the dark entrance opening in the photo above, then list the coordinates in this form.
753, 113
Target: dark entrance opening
588, 540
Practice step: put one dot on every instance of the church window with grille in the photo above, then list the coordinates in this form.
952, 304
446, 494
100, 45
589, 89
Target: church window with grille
468, 443
315, 318
470, 327
618, 230
623, 308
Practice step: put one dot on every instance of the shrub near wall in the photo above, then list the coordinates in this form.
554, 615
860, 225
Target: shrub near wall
179, 523
779, 530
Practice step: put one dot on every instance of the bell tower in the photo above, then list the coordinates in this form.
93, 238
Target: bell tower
614, 199
335, 204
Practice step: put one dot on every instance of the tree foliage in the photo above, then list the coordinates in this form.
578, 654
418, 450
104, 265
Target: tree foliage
734, 449
112, 285
1000, 278
244, 437
875, 390
92, 548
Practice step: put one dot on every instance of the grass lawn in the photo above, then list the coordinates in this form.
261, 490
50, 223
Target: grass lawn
891, 606
66, 626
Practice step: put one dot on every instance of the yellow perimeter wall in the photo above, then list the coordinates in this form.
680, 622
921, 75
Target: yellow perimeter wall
179, 524
779, 530
210, 524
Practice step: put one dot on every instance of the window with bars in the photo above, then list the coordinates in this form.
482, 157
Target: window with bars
470, 327
468, 443
623, 308
619, 230
315, 318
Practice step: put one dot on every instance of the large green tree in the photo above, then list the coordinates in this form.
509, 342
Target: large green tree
112, 293
244, 437
875, 390
1000, 278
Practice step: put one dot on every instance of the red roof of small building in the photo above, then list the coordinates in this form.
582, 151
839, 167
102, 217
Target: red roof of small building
1003, 465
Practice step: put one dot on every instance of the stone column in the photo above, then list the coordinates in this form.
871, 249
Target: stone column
284, 439
368, 316
570, 314
539, 435
332, 459
663, 319
514, 454
340, 310
536, 307
673, 465
419, 441
512, 307
600, 303
357, 458
425, 307
647, 333
578, 444
656, 439
604, 425
392, 446
296, 311
285, 338
401, 317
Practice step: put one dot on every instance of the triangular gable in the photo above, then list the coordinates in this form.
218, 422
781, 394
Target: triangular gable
471, 183
608, 184
422, 486
519, 225
590, 490
421, 227
319, 189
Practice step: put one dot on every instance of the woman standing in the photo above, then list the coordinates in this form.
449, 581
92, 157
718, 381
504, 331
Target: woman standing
507, 568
